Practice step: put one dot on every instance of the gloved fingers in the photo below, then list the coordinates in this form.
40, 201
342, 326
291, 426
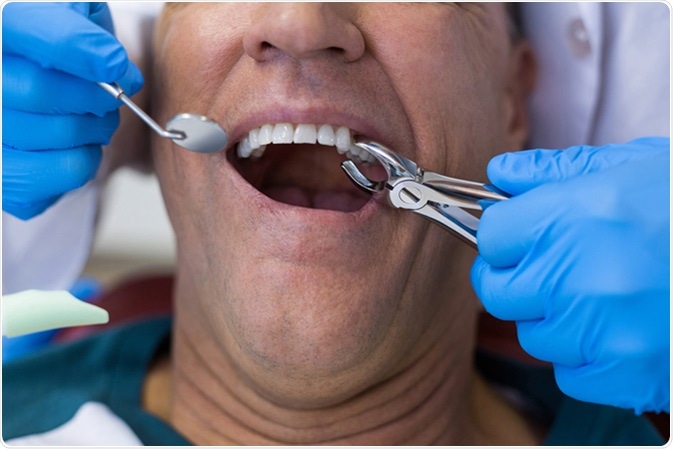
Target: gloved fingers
98, 13
521, 171
504, 295
28, 87
583, 309
557, 319
132, 81
586, 207
508, 230
625, 341
614, 384
32, 177
553, 340
573, 382
26, 211
86, 288
79, 46
25, 131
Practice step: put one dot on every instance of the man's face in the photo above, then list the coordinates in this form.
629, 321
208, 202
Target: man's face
295, 273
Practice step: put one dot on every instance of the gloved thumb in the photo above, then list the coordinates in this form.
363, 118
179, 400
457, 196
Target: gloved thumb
521, 171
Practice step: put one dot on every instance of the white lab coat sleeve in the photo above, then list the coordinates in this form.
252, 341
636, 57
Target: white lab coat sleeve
50, 251
635, 97
603, 72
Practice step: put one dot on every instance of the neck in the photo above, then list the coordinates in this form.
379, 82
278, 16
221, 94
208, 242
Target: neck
430, 402
213, 404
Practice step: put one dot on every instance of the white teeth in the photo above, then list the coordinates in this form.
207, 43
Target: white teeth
244, 149
283, 133
326, 135
305, 134
254, 139
257, 153
265, 136
364, 155
343, 139
255, 142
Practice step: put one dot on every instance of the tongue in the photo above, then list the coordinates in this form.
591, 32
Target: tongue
297, 196
294, 196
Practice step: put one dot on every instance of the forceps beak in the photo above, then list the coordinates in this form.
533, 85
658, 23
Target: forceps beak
395, 166
360, 180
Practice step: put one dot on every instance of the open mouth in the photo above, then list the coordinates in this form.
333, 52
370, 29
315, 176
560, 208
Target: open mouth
299, 165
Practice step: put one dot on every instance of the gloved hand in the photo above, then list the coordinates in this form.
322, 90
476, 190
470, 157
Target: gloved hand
579, 258
54, 116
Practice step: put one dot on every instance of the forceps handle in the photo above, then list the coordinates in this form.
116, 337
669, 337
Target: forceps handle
116, 91
454, 219
445, 200
467, 192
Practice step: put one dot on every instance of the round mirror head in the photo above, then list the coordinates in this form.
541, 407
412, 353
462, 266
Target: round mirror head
202, 134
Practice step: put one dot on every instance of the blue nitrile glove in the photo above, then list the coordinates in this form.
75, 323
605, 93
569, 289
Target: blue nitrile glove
54, 116
579, 258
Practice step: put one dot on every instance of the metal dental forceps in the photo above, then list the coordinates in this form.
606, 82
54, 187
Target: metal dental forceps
434, 196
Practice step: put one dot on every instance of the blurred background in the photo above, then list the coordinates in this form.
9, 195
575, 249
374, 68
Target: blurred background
134, 236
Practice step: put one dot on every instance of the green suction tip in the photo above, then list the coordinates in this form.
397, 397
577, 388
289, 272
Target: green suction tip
37, 310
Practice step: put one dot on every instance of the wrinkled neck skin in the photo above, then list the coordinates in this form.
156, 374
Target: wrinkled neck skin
426, 403
435, 398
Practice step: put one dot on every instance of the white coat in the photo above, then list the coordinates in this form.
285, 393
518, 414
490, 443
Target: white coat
604, 72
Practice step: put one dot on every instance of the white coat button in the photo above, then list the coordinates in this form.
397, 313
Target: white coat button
578, 39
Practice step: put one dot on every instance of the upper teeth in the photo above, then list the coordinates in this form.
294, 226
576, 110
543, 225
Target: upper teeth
255, 142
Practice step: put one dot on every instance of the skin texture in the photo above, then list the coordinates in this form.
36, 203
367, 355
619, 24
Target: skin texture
301, 326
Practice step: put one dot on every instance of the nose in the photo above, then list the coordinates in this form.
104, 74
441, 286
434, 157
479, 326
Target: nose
302, 31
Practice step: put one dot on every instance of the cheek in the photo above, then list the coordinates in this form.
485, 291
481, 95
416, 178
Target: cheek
196, 53
185, 195
450, 100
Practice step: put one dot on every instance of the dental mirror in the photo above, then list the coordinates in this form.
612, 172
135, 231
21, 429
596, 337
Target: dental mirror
194, 132
201, 134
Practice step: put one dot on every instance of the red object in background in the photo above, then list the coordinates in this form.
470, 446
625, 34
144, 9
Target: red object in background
132, 300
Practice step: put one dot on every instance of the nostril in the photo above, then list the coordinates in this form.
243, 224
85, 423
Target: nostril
303, 31
266, 48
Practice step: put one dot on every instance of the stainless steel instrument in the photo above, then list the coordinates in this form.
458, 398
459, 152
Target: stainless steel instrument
437, 197
191, 131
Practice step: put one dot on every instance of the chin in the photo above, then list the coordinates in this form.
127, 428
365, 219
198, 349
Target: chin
308, 321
